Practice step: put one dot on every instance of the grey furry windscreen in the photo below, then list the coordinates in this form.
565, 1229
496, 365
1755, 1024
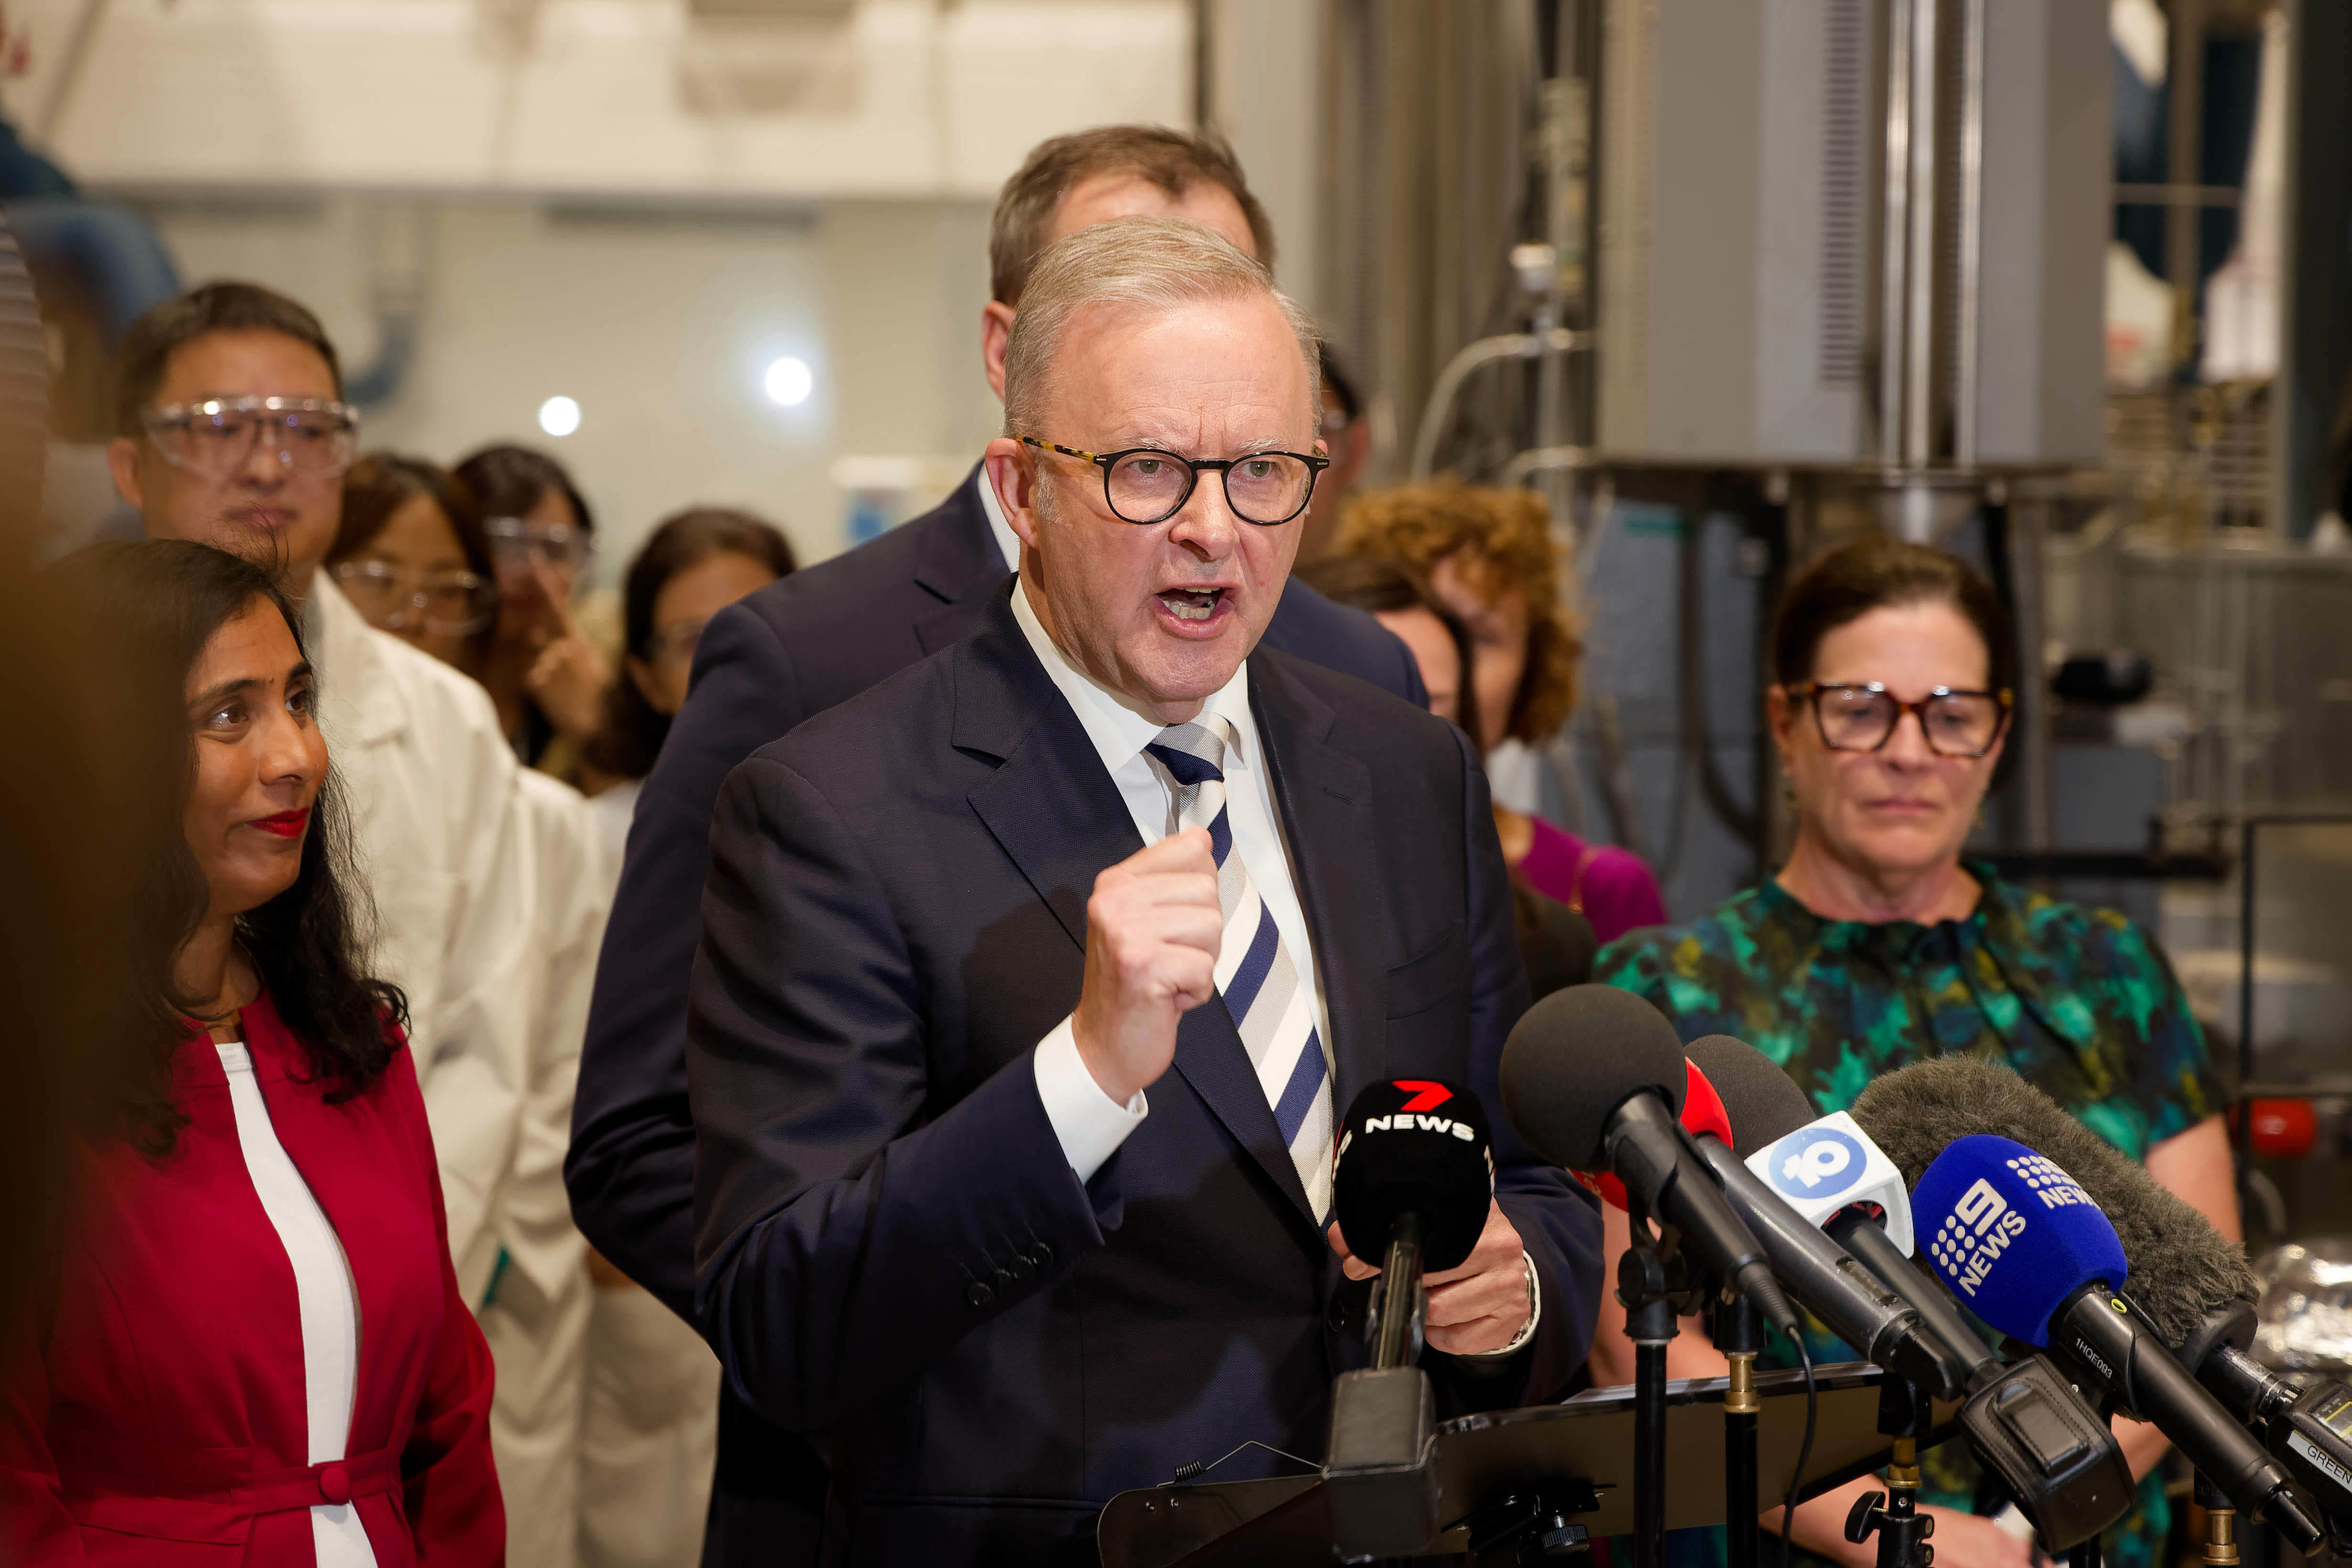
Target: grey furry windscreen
2182, 1269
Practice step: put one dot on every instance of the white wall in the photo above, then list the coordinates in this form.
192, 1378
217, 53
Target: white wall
661, 325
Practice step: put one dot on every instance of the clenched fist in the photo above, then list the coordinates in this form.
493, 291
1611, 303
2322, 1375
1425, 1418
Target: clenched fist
1153, 927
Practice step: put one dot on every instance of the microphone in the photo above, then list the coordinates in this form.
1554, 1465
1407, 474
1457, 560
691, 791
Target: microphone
2191, 1282
2022, 1419
1772, 1116
1702, 1113
2019, 1240
1593, 1078
1824, 1278
1414, 1178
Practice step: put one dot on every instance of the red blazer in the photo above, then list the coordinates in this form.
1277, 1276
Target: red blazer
160, 1419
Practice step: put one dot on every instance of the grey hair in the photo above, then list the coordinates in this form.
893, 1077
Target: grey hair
1154, 262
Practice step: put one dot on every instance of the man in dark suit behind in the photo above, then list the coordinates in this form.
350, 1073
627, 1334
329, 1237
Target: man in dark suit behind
955, 1213
795, 649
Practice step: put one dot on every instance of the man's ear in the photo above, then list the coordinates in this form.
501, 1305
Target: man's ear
1015, 479
995, 332
123, 462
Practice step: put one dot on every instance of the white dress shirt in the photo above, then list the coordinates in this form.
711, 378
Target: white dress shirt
1089, 1124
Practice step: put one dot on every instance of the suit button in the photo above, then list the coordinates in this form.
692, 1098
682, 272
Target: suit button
1041, 1256
980, 1295
1003, 1280
1017, 1267
335, 1484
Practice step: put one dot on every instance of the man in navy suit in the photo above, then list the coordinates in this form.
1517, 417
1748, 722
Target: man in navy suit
811, 641
1033, 979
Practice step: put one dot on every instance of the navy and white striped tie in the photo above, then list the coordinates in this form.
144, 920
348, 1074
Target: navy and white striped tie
1259, 984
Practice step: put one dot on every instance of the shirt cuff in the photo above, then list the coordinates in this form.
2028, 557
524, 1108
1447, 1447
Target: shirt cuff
1534, 1315
1089, 1124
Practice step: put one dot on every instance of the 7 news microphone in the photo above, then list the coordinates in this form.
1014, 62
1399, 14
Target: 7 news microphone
2191, 1284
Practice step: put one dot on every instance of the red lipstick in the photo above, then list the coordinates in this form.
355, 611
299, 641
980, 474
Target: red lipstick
286, 824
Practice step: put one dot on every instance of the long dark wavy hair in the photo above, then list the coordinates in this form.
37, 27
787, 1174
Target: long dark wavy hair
158, 603
633, 732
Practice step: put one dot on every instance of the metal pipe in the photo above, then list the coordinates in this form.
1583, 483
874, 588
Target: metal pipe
1920, 345
1967, 348
1544, 459
2187, 84
1466, 362
1893, 229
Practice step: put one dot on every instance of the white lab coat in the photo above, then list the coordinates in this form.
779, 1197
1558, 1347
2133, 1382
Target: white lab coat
538, 1313
437, 817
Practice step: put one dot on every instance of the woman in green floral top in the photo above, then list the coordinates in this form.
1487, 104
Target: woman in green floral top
1876, 946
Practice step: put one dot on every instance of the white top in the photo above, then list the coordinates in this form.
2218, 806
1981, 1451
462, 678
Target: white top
324, 1293
1089, 1124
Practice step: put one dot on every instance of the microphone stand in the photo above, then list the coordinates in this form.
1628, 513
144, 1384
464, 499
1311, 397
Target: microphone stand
1650, 1280
1739, 1334
2221, 1524
1905, 1414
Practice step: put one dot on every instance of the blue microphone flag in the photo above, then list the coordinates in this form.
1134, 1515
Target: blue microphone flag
2011, 1234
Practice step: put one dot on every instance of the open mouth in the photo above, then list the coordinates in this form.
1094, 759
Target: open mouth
1193, 605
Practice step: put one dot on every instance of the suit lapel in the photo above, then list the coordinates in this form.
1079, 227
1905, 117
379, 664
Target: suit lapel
960, 567
1325, 796
1062, 821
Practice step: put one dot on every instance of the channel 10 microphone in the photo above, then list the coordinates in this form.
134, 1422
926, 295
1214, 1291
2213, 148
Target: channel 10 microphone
2022, 1419
1593, 1078
1821, 1275
2020, 1242
2189, 1281
1414, 1181
1849, 1198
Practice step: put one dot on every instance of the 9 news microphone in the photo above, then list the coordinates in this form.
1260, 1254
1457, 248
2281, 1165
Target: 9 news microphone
1593, 1078
2023, 1244
2023, 1420
1414, 1178
1821, 1275
2189, 1281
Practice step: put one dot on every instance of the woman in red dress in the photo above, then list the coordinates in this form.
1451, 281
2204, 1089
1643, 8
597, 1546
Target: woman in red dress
253, 1350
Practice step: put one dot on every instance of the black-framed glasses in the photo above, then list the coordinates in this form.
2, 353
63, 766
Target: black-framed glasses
1862, 716
446, 603
216, 436
1144, 484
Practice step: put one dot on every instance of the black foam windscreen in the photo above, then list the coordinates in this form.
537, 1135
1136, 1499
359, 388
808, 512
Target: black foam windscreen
1762, 1102
1414, 1146
1576, 1056
2182, 1269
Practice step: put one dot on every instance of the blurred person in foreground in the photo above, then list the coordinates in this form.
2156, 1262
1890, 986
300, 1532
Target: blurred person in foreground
550, 682
791, 651
1556, 942
954, 1115
235, 434
1489, 557
254, 1344
414, 558
1878, 944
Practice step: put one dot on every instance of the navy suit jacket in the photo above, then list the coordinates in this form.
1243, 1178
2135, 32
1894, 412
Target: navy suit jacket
793, 649
893, 1253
